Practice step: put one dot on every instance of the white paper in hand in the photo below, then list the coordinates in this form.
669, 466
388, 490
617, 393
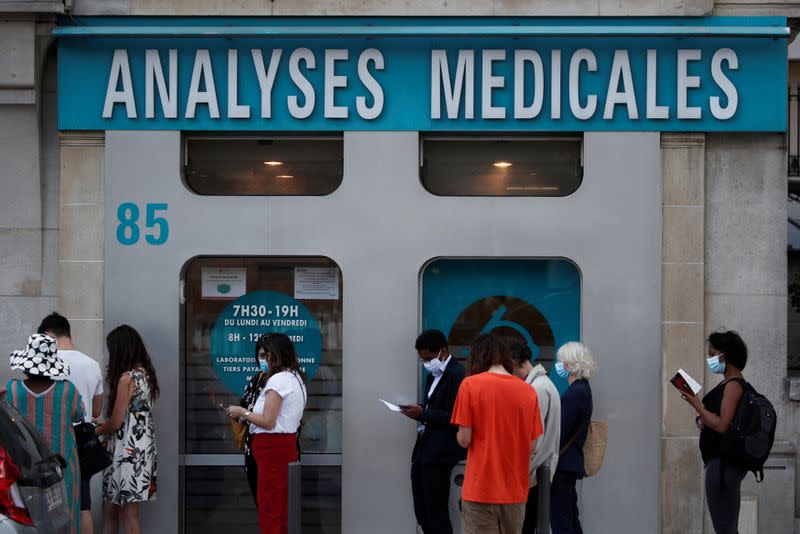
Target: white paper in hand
393, 407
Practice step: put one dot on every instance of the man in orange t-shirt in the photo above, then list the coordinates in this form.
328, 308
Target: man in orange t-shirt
499, 423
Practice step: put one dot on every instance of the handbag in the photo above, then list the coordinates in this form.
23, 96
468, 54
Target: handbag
239, 431
92, 455
594, 448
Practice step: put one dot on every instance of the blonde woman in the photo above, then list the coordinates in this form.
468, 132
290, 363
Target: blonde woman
576, 364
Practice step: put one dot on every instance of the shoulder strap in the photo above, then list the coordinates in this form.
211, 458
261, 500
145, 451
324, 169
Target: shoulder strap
302, 389
575, 436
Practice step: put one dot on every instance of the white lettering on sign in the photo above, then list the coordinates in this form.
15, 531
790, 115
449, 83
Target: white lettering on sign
154, 75
370, 112
555, 84
491, 82
521, 57
584, 55
453, 89
729, 56
266, 79
332, 82
621, 72
120, 71
453, 80
654, 111
202, 73
307, 57
686, 82
235, 110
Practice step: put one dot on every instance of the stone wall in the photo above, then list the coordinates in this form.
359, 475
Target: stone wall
28, 184
396, 7
745, 284
683, 328
583, 8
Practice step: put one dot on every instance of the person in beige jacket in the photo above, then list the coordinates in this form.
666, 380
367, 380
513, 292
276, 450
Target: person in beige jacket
546, 453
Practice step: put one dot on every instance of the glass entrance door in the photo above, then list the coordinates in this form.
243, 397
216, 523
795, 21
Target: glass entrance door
229, 303
535, 300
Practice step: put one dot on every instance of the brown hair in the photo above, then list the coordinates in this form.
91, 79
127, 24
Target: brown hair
281, 355
126, 352
488, 350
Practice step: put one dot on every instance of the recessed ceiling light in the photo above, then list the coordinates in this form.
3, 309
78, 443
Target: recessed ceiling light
284, 176
502, 164
273, 163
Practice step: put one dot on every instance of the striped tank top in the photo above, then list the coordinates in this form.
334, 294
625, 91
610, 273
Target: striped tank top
52, 413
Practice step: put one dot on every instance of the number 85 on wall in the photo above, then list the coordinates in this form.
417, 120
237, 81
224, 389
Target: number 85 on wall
156, 227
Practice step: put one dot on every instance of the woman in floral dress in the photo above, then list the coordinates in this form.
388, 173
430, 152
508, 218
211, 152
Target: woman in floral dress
131, 477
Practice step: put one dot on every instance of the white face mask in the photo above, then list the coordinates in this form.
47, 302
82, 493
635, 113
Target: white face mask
434, 365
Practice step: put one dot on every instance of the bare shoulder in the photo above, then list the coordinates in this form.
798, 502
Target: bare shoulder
734, 386
733, 391
125, 379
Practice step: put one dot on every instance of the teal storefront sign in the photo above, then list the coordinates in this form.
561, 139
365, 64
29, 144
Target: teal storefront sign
535, 300
423, 74
243, 321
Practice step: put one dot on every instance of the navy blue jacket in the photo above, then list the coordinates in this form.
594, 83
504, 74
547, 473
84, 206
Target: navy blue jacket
437, 444
576, 413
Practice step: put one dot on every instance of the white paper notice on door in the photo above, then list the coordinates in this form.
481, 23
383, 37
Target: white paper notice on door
316, 283
223, 283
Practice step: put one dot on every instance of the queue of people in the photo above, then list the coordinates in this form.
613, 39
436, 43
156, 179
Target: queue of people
507, 416
503, 414
64, 387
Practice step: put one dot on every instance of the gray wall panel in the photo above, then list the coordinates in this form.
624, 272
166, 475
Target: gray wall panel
381, 226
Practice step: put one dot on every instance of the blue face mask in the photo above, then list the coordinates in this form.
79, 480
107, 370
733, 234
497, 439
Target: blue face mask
717, 367
263, 365
560, 371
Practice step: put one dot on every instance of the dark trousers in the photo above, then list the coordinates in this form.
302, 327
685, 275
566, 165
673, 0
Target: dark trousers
564, 504
430, 485
531, 511
251, 469
723, 493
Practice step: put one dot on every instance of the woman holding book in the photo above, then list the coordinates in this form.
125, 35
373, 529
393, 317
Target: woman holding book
727, 355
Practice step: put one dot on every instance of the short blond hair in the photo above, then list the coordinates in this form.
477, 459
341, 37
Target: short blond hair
578, 359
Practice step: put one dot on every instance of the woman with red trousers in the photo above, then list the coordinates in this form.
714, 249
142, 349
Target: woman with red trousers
274, 422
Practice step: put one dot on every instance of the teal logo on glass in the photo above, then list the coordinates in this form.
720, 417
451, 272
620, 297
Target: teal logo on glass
536, 301
244, 320
224, 288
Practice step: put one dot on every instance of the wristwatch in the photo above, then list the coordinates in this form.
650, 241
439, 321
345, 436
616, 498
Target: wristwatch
246, 414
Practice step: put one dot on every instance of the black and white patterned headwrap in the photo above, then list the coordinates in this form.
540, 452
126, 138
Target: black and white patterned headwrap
40, 358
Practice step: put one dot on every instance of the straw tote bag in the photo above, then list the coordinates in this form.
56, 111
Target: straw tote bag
594, 450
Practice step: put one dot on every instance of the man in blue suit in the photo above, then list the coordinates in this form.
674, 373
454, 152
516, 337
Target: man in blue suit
436, 451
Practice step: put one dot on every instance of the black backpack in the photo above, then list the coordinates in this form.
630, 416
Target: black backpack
748, 441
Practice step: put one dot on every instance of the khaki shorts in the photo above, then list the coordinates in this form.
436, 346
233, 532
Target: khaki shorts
486, 518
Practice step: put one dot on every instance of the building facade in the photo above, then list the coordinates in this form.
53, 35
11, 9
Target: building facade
158, 172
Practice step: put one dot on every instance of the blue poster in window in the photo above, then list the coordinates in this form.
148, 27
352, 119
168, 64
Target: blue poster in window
243, 321
536, 300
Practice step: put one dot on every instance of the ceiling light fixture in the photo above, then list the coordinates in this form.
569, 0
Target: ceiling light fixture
284, 176
273, 163
502, 164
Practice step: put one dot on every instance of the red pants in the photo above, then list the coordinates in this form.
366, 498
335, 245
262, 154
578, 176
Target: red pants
273, 454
